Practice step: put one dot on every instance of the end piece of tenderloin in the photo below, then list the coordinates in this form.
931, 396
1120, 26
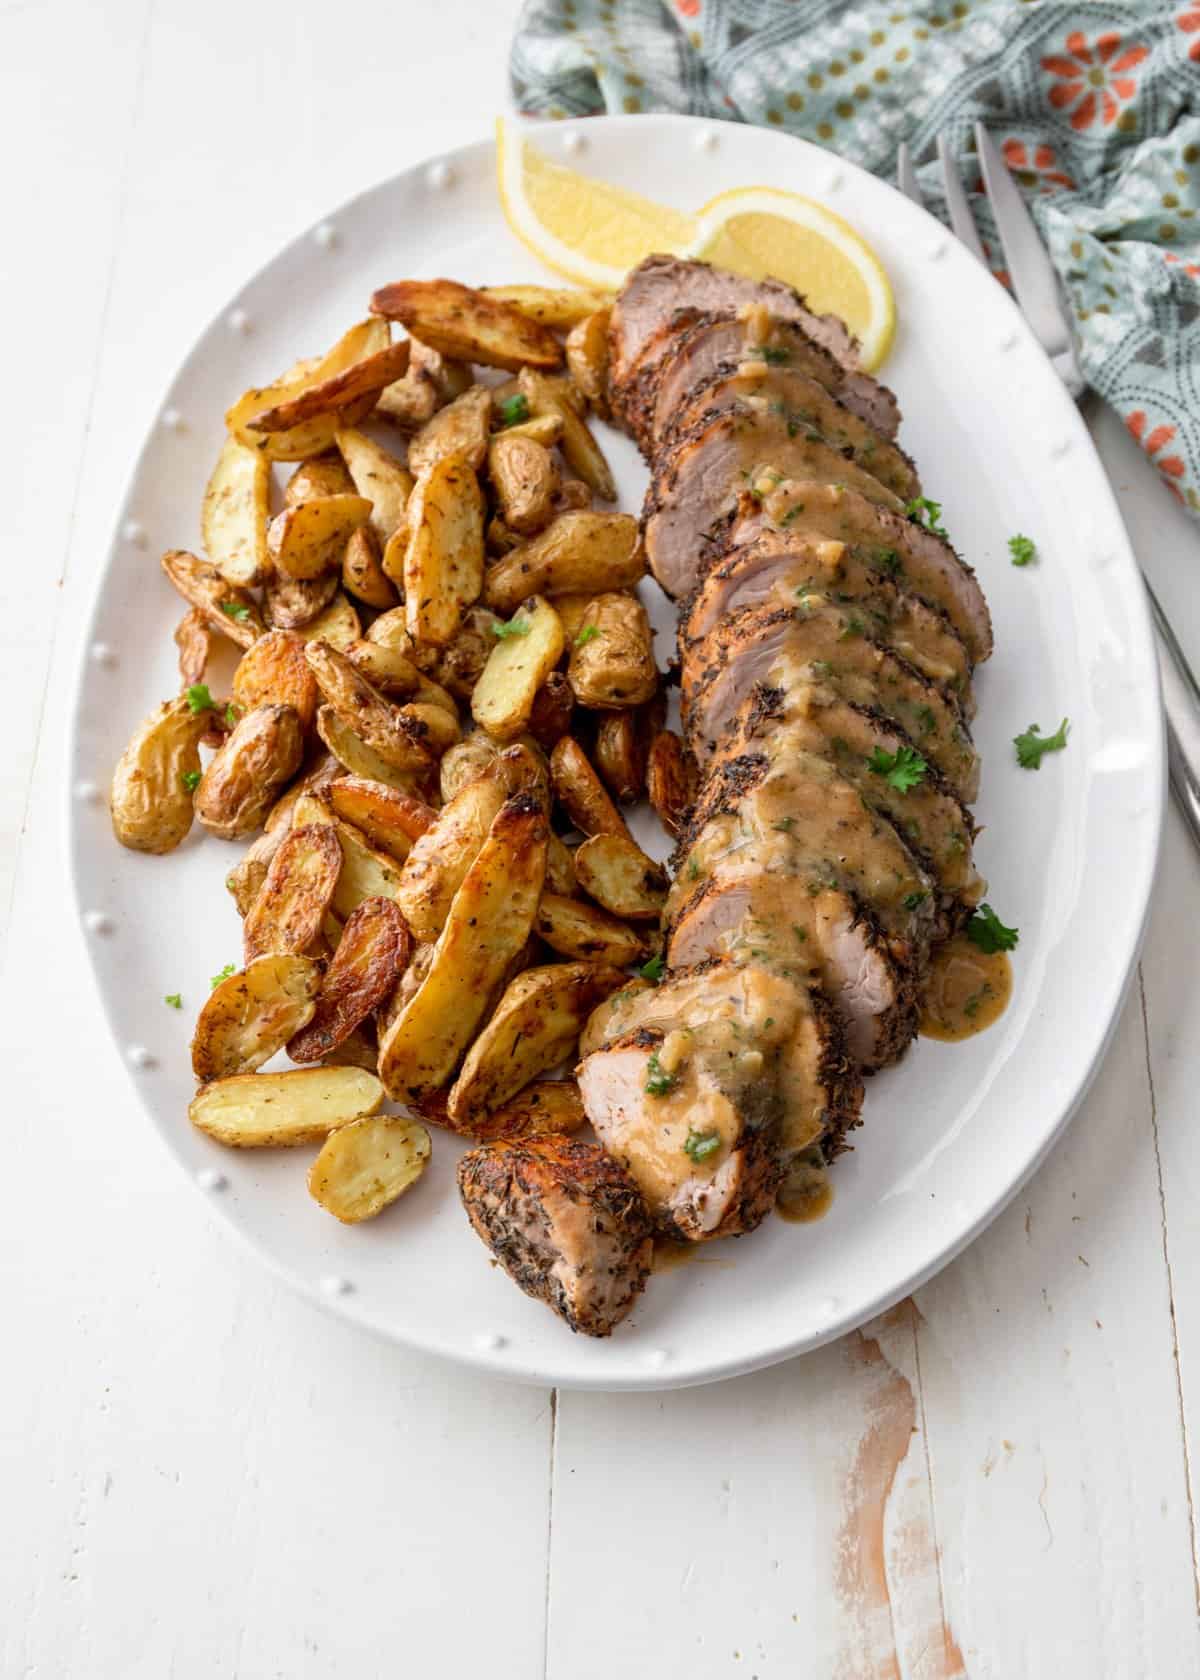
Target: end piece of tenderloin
707, 1086
565, 1221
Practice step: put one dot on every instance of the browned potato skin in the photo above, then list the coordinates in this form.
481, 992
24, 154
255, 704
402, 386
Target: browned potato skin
261, 753
442, 567
431, 381
245, 880
461, 428
553, 306
578, 552
298, 889
544, 1107
356, 758
612, 656
307, 541
620, 753
203, 586
294, 603
579, 448
671, 778
621, 878
151, 806
275, 671
252, 1014
392, 820
439, 860
467, 324
395, 674
581, 792
587, 358
372, 954
341, 391
517, 667
193, 638
395, 735
458, 665
323, 475
553, 705
525, 479
363, 575
584, 933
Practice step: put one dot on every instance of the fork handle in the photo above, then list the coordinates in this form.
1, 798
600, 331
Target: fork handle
1181, 704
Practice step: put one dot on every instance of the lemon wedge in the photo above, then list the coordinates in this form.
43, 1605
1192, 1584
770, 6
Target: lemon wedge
765, 233
592, 232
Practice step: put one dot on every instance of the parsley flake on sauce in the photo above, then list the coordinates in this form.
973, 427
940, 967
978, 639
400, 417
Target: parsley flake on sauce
700, 1145
903, 769
658, 1080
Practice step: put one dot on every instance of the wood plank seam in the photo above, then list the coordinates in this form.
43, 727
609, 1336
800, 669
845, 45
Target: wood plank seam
549, 1531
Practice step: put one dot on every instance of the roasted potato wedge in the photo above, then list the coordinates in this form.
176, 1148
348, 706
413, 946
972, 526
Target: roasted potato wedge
582, 794
527, 649
545, 429
371, 955
612, 655
261, 752
459, 664
299, 603
313, 436
671, 780
560, 868
536, 1026
580, 931
620, 754
358, 1050
472, 757
337, 623
251, 1015
488, 925
337, 393
554, 306
561, 384
274, 1110
365, 872
547, 1106
227, 607
572, 609
525, 479
438, 861
193, 638
274, 671
461, 428
468, 325
587, 358
397, 735
391, 819
245, 880
353, 754
443, 558
553, 705
363, 575
365, 1166
151, 800
577, 553
296, 893
431, 381
308, 540
619, 876
396, 676
381, 478
234, 514
579, 448
323, 475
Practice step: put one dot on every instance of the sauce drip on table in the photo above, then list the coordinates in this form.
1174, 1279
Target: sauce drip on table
967, 990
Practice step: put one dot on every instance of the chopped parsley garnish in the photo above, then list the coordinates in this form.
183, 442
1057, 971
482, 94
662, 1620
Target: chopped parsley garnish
190, 780
988, 932
198, 697
693, 870
776, 355
1033, 745
514, 627
915, 900
926, 719
514, 409
700, 1145
820, 668
174, 1000
653, 970
929, 514
658, 1080
800, 933
230, 968
902, 769
587, 634
785, 825
885, 560
231, 715
235, 609
794, 512
852, 626
1022, 549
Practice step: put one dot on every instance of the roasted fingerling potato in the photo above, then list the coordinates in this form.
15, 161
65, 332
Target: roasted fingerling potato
366, 871
438, 861
381, 478
152, 796
353, 754
553, 705
468, 325
582, 794
525, 480
297, 891
620, 877
280, 1110
578, 552
320, 476
558, 307
442, 572
336, 394
313, 436
620, 754
393, 733
392, 820
249, 1016
547, 1106
336, 623
301, 604
261, 753
363, 1167
230, 610
587, 358
580, 931
193, 638
671, 781
527, 649
307, 541
363, 575
275, 671
579, 448
245, 880
234, 514
432, 381
371, 955
612, 655
461, 428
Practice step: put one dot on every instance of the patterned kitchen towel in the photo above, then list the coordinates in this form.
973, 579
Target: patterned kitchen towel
1096, 104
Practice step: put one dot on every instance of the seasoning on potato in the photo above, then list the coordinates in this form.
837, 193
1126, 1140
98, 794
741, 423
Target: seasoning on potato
364, 1166
151, 800
281, 1110
261, 752
251, 1015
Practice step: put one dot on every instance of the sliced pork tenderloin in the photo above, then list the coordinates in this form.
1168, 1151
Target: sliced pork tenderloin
565, 1221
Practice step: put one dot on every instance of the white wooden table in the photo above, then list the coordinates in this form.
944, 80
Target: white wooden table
201, 1475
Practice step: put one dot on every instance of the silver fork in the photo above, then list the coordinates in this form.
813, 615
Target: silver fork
1036, 285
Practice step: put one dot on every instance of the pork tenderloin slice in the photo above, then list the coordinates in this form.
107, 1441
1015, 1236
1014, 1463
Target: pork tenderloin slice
819, 642
826, 938
709, 467
705, 1086
780, 568
922, 563
566, 1223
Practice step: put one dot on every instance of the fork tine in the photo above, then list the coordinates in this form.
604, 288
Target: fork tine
961, 219
906, 175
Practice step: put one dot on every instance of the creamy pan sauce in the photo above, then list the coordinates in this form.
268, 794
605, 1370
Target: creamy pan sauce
968, 989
